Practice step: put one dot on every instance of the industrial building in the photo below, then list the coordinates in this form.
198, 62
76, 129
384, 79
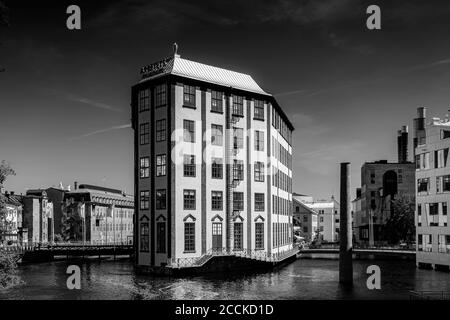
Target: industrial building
213, 166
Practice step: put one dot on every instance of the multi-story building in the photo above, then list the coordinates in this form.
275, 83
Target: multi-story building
328, 218
97, 215
11, 223
213, 165
356, 215
306, 219
381, 182
56, 196
433, 193
38, 217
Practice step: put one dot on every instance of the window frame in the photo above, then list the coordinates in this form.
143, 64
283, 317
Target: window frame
161, 168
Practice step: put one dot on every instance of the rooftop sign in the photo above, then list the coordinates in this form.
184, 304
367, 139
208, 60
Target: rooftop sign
154, 68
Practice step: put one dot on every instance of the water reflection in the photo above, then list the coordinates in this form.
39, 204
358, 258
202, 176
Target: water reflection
303, 279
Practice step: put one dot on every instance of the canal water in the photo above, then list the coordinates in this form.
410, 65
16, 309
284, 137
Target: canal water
302, 279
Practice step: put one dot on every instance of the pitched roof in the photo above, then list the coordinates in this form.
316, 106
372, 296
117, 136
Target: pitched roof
194, 70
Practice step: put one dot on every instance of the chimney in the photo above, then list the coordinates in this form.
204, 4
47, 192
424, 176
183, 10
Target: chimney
419, 128
402, 144
75, 185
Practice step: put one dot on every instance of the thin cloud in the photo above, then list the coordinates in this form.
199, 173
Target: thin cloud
92, 103
310, 93
119, 127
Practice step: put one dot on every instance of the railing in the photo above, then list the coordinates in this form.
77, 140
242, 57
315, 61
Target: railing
259, 255
366, 247
32, 246
429, 295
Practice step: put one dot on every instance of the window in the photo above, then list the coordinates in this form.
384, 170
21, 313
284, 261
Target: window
217, 168
445, 134
161, 199
160, 95
189, 130
419, 209
160, 130
238, 233
216, 101
444, 208
238, 201
444, 243
189, 165
434, 209
443, 183
259, 201
259, 140
189, 96
217, 200
305, 229
238, 138
189, 236
145, 237
423, 185
372, 177
425, 161
145, 167
189, 199
145, 200
216, 135
144, 100
160, 237
259, 110
238, 106
238, 170
259, 236
321, 219
160, 165
259, 171
144, 133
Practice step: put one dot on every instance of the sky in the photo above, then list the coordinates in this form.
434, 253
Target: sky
65, 94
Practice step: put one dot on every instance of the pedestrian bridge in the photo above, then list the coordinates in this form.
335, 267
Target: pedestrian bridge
358, 253
39, 251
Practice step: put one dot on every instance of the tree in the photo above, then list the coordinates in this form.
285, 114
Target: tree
5, 172
400, 225
8, 266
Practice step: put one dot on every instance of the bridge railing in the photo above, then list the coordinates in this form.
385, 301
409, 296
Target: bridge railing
260, 255
32, 246
429, 295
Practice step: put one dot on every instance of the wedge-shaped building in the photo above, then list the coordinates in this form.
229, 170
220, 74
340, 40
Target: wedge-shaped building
213, 167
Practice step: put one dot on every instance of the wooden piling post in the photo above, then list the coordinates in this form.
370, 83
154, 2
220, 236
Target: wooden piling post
346, 233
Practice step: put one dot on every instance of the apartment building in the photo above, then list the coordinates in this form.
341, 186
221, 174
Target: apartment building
213, 165
97, 215
432, 192
305, 219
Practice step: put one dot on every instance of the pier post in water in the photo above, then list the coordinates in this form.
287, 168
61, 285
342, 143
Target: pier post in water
346, 233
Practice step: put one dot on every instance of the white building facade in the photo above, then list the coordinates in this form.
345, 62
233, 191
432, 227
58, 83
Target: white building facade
213, 165
433, 195
328, 218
